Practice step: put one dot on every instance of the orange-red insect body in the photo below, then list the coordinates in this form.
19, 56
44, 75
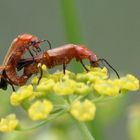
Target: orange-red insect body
60, 56
18, 47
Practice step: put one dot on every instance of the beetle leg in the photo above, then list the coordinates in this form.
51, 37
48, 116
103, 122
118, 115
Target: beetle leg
36, 51
13, 88
41, 73
31, 54
49, 44
64, 68
8, 81
84, 66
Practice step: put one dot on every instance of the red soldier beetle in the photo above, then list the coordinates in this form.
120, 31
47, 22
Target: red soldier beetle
18, 47
62, 56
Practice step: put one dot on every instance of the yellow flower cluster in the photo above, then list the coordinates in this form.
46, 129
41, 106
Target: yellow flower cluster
129, 82
23, 93
83, 111
45, 87
83, 83
71, 88
9, 123
114, 87
106, 87
60, 84
93, 75
40, 110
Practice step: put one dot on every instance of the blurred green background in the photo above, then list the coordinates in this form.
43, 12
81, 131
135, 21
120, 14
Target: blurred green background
110, 28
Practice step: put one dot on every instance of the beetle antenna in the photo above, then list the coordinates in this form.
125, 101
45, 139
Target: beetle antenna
107, 69
104, 60
50, 46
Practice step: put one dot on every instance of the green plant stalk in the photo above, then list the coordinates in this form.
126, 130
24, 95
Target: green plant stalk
71, 22
72, 25
74, 35
84, 130
53, 117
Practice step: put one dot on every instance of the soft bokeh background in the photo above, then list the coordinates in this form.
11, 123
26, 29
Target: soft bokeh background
110, 28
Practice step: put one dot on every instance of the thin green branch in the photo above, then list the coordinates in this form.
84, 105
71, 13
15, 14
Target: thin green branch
106, 98
71, 21
53, 117
84, 130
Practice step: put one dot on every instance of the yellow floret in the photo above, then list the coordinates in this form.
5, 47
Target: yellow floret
100, 72
25, 92
9, 123
69, 74
65, 87
40, 110
129, 82
83, 111
93, 75
45, 86
56, 76
35, 80
44, 67
106, 87
82, 88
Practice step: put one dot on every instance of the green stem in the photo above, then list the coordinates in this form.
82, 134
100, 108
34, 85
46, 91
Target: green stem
71, 22
53, 117
72, 25
106, 98
84, 130
25, 105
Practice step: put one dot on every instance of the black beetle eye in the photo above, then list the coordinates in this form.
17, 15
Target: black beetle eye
92, 62
33, 42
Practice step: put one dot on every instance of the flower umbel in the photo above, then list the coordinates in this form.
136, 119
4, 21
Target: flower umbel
129, 82
9, 123
83, 111
25, 92
76, 94
106, 87
40, 110
65, 87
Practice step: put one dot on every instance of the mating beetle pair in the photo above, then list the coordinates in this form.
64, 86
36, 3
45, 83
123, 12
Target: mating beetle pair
58, 56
